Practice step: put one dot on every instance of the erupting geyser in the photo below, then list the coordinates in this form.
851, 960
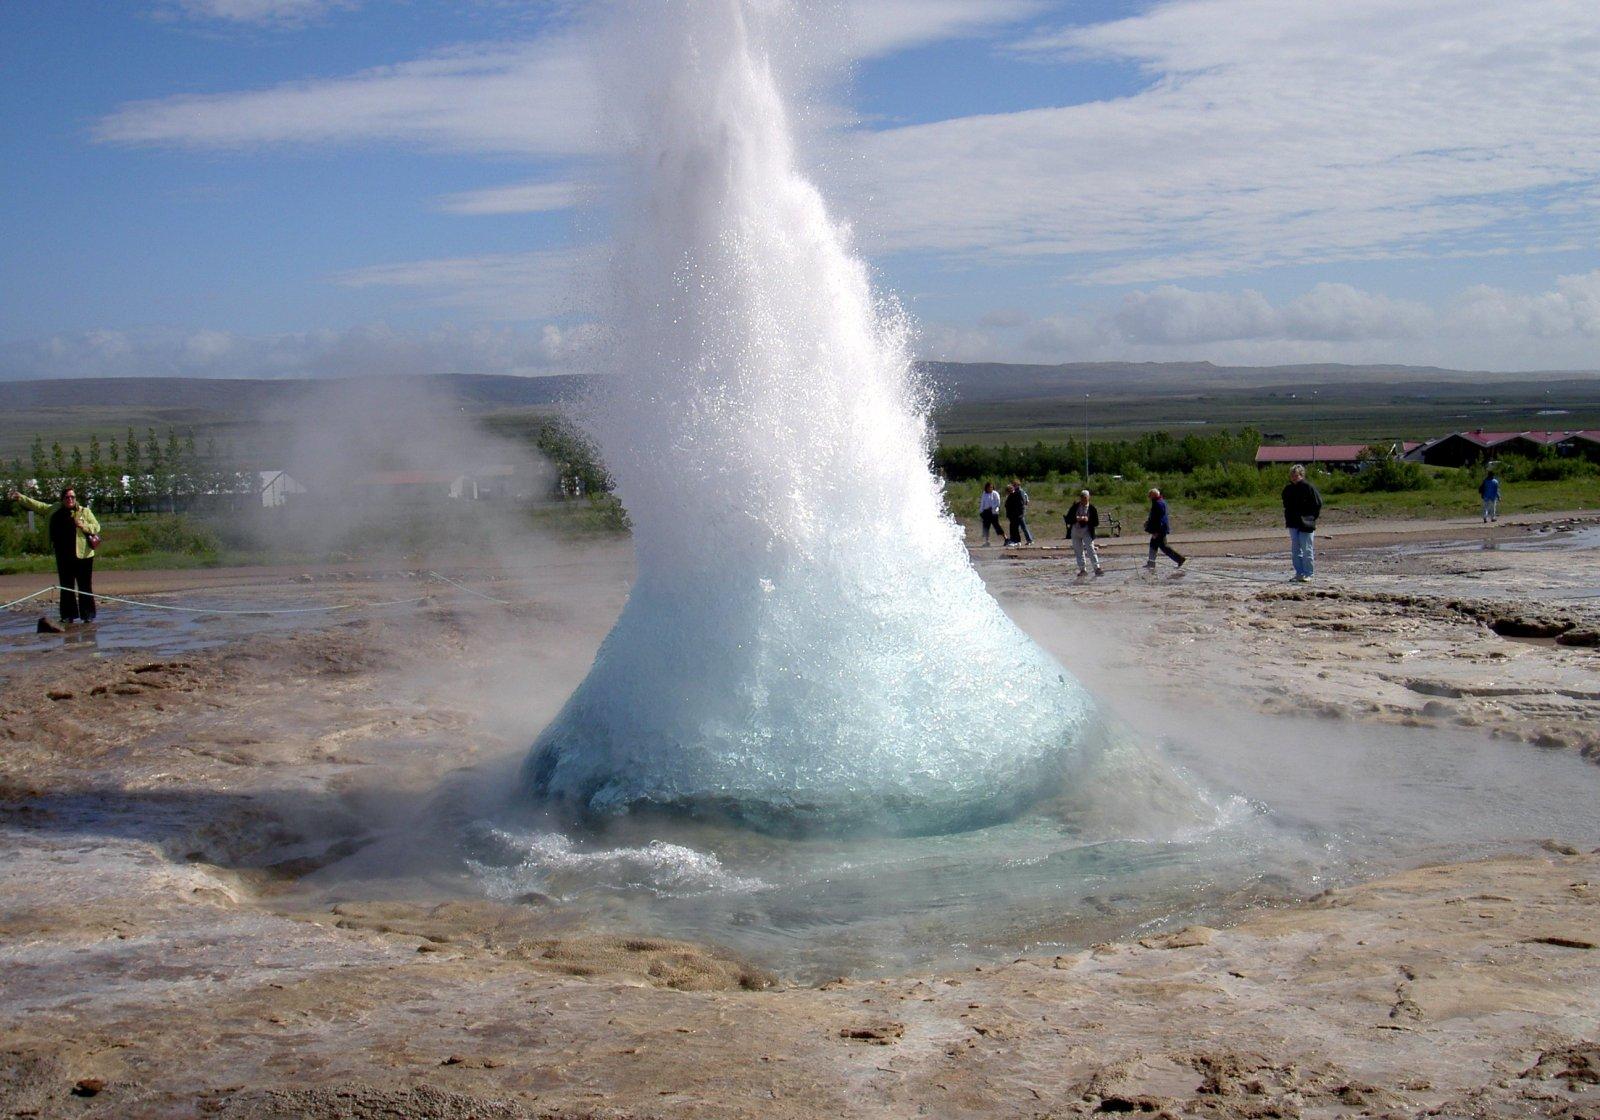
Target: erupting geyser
807, 645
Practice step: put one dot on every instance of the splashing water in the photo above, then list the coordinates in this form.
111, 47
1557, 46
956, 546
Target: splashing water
807, 645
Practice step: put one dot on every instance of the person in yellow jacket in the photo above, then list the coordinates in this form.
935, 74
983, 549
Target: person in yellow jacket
74, 532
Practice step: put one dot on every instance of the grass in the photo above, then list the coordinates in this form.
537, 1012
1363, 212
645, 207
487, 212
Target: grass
432, 532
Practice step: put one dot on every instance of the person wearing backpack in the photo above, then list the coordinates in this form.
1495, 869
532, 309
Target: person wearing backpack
1302, 505
1489, 491
74, 535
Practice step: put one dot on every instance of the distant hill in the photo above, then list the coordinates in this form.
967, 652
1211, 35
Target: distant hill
985, 402
957, 382
230, 396
997, 382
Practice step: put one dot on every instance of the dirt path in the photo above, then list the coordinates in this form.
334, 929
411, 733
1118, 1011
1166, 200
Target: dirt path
1331, 536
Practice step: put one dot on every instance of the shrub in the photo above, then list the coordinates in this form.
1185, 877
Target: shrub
1388, 475
16, 540
162, 534
1231, 481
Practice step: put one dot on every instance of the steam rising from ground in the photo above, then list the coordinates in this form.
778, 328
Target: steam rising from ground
379, 459
807, 643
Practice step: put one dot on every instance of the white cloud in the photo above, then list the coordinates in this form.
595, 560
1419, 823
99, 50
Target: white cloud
533, 97
881, 27
1171, 315
506, 286
282, 13
371, 349
1271, 134
520, 98
1482, 327
516, 198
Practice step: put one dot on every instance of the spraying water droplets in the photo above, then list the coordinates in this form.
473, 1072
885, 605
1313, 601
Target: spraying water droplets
807, 645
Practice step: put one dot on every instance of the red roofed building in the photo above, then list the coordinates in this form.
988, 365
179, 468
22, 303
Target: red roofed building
1461, 448
1341, 456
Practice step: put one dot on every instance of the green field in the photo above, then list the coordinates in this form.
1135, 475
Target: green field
991, 407
1336, 414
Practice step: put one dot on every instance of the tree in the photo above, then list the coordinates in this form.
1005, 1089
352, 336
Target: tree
131, 463
114, 476
37, 460
175, 468
154, 468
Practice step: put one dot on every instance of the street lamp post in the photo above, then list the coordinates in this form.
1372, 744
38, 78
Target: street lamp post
1313, 429
1086, 441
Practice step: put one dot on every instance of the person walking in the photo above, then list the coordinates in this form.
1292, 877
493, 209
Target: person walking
1022, 518
989, 512
1302, 505
1014, 504
74, 535
1082, 522
1158, 524
1489, 491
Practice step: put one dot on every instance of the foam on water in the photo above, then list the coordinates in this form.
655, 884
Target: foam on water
514, 862
807, 644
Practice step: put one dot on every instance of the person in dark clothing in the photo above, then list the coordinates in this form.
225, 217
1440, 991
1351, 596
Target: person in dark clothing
1158, 524
1489, 491
74, 533
1016, 504
1302, 505
1083, 520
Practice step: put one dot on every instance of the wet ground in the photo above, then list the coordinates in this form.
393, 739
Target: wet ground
223, 892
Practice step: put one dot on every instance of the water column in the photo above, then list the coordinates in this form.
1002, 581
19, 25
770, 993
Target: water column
807, 645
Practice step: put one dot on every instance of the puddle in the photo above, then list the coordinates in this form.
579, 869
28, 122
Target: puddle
120, 627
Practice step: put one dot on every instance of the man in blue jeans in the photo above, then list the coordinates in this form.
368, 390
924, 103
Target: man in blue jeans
1302, 505
1489, 490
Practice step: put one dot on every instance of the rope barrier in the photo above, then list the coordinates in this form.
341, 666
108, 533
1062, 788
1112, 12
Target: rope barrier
101, 596
25, 598
469, 590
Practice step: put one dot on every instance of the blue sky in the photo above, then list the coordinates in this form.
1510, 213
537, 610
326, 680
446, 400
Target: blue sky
287, 187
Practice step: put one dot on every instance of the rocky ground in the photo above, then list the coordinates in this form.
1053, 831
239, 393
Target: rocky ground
160, 811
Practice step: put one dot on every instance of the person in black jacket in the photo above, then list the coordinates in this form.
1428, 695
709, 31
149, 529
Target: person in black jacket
1082, 522
74, 535
1302, 505
1158, 524
1016, 504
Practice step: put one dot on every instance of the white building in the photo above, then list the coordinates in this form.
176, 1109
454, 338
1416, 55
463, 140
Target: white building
275, 488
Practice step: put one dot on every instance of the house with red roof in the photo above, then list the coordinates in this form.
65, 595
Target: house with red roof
1335, 456
1458, 449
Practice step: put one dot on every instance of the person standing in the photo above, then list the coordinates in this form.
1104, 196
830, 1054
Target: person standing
1489, 491
1082, 522
989, 512
1022, 518
1158, 524
74, 535
1302, 505
1015, 504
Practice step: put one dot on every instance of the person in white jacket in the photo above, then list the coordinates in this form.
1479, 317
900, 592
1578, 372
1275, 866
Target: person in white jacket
989, 512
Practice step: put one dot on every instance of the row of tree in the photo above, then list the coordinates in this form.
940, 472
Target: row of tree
1153, 453
134, 475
